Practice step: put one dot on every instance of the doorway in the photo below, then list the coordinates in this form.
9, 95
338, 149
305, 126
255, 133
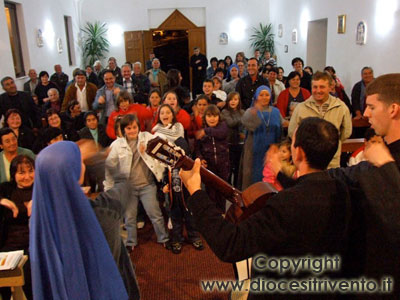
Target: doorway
171, 48
138, 44
316, 44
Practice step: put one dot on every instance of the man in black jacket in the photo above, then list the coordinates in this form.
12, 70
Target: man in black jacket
309, 219
374, 235
198, 63
19, 100
247, 85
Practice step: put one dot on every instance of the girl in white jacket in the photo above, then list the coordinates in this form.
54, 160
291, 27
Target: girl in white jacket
127, 156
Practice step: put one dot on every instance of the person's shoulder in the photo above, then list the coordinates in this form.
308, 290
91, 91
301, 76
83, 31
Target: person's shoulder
90, 85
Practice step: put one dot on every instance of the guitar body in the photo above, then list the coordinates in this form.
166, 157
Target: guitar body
254, 198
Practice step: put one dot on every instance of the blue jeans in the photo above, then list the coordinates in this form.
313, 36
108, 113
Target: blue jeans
148, 196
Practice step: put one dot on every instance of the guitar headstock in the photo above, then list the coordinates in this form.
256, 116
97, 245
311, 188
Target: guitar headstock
164, 151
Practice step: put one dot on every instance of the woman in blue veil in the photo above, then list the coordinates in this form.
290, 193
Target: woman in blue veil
70, 256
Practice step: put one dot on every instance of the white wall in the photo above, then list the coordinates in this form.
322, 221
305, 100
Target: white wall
216, 16
383, 40
48, 15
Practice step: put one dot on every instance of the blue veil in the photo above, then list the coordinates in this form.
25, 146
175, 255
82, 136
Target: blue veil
70, 257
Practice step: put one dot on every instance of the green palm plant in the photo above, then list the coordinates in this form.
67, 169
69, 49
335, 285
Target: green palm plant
263, 39
95, 44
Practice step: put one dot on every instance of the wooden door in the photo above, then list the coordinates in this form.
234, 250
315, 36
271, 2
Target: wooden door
138, 45
196, 38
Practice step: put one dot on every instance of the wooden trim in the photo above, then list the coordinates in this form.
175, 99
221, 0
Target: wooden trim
176, 21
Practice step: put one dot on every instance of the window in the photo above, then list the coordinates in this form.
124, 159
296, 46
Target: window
70, 40
15, 40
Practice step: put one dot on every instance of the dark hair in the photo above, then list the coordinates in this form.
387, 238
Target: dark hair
72, 104
213, 59
90, 113
221, 61
280, 68
219, 70
387, 87
123, 95
296, 59
211, 110
264, 70
173, 78
159, 111
127, 120
209, 80
89, 66
319, 140
366, 68
275, 70
202, 97
5, 79
229, 99
330, 69
230, 59
117, 124
17, 161
292, 75
5, 131
170, 92
311, 69
108, 71
49, 134
42, 73
155, 90
80, 72
9, 113
218, 79
322, 76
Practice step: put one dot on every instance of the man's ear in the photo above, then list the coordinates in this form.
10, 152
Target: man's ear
300, 155
394, 110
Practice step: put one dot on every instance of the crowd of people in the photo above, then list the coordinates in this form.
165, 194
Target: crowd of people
237, 113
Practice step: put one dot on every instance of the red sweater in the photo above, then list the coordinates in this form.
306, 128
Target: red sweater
182, 117
142, 113
283, 100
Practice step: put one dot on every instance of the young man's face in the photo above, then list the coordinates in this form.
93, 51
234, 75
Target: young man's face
320, 90
208, 88
252, 67
378, 114
126, 72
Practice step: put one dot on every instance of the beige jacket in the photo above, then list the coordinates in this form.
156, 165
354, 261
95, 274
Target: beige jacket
338, 114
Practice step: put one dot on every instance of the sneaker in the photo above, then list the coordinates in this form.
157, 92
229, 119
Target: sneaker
176, 248
198, 245
140, 225
167, 245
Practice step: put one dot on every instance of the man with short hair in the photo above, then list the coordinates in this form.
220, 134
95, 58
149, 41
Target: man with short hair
305, 78
268, 60
198, 63
141, 84
60, 79
276, 86
307, 220
323, 105
82, 91
158, 78
358, 95
150, 61
106, 96
32, 83
91, 76
22, 101
127, 81
247, 85
113, 67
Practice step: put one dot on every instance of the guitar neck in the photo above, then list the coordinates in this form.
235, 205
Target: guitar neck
209, 178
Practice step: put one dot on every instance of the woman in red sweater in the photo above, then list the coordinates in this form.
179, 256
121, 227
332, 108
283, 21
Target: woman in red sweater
125, 106
294, 93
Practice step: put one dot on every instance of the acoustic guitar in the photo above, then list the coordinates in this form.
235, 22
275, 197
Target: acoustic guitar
244, 203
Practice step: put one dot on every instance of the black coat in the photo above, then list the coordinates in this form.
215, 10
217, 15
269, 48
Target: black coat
311, 218
103, 138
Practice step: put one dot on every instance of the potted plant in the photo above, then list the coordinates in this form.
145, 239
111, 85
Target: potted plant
263, 39
95, 44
